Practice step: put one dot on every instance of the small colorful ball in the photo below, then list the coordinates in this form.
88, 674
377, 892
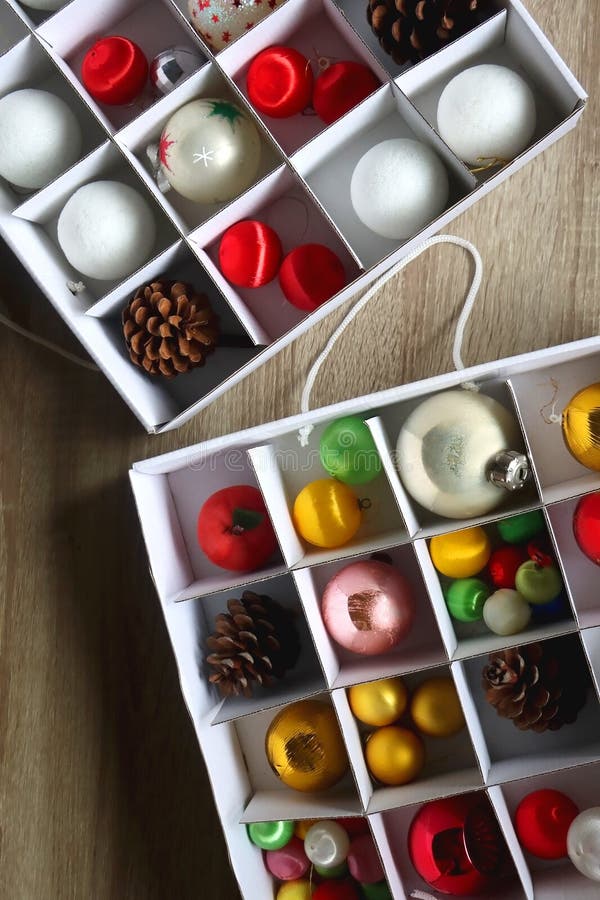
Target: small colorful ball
465, 599
172, 66
506, 612
348, 451
538, 584
379, 891
338, 872
354, 825
583, 843
234, 529
280, 82
586, 525
521, 528
114, 71
336, 890
250, 253
221, 22
380, 702
368, 607
503, 565
435, 708
394, 755
340, 87
327, 513
550, 612
303, 826
364, 861
542, 822
295, 890
581, 428
271, 835
310, 275
461, 554
288, 864
327, 844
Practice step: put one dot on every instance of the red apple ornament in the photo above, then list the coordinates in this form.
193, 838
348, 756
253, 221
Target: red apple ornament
340, 87
542, 822
234, 529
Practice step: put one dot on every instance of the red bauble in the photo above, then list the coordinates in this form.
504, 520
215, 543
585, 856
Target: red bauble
586, 526
250, 253
234, 529
354, 825
340, 87
280, 82
503, 565
114, 71
310, 275
542, 821
336, 890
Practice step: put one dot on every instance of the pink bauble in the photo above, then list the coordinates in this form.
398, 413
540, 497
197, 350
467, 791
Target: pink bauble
368, 607
289, 862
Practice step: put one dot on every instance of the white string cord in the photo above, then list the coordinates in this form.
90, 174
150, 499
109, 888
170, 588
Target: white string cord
48, 345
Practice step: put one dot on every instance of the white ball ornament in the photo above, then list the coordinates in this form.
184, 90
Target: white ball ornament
326, 844
106, 230
506, 612
219, 22
583, 843
397, 187
44, 5
486, 112
40, 137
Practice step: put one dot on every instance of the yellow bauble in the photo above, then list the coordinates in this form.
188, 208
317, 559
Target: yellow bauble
435, 708
304, 746
327, 513
394, 755
581, 426
303, 827
461, 554
378, 702
295, 890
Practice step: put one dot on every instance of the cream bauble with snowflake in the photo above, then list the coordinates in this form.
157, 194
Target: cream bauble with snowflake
220, 22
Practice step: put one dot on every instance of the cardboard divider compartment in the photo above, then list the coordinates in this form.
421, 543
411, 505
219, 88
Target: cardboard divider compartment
591, 643
32, 17
581, 573
12, 28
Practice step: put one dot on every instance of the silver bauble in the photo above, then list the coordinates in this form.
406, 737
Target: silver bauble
173, 66
583, 843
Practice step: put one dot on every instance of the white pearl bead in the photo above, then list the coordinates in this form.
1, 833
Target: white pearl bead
327, 844
583, 843
506, 612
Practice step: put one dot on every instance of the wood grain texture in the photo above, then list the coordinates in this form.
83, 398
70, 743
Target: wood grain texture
103, 792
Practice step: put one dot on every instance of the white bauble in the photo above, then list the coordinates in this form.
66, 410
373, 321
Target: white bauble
398, 187
233, 18
486, 112
583, 843
44, 5
326, 844
39, 138
106, 230
506, 612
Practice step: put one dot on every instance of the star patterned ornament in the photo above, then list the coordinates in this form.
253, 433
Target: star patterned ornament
220, 22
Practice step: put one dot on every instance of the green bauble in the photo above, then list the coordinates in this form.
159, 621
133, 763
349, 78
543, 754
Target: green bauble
522, 527
271, 835
538, 584
379, 891
465, 599
336, 872
348, 451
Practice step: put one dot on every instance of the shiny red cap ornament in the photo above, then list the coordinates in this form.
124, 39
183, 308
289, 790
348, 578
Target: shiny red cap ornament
503, 565
280, 82
250, 253
114, 71
340, 87
310, 275
542, 821
586, 526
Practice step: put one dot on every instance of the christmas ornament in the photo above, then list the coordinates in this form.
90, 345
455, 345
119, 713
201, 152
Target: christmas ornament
503, 565
364, 862
452, 454
310, 275
550, 612
172, 66
340, 87
379, 891
209, 151
586, 526
338, 872
486, 114
219, 22
289, 863
465, 599
506, 612
542, 820
354, 825
435, 708
368, 607
303, 827
114, 71
39, 138
169, 328
348, 451
254, 643
522, 527
234, 529
378, 702
336, 890
398, 187
539, 686
538, 584
106, 230
583, 843
280, 82
460, 554
394, 755
305, 748
44, 5
250, 253
327, 513
270, 835
581, 426
295, 890
327, 844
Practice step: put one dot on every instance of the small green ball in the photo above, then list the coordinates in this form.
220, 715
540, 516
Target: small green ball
379, 891
538, 584
465, 599
337, 871
348, 451
271, 835
522, 527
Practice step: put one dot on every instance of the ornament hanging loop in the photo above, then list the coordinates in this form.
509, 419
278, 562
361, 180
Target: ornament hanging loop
552, 417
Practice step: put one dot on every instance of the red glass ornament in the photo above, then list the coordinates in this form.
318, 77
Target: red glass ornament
234, 529
504, 563
336, 890
250, 253
310, 275
542, 821
280, 82
114, 71
340, 87
540, 551
586, 526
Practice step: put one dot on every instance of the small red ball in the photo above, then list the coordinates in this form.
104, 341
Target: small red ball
310, 275
250, 253
336, 890
114, 71
340, 87
503, 565
280, 82
234, 529
542, 821
586, 526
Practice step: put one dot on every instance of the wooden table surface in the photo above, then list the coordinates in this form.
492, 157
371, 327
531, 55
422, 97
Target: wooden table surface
103, 792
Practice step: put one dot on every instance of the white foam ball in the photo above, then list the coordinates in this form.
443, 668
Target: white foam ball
44, 5
39, 138
398, 187
106, 230
486, 112
506, 612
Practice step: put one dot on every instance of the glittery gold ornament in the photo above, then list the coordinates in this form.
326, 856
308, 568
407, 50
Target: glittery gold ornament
581, 426
435, 708
304, 746
394, 755
378, 702
327, 513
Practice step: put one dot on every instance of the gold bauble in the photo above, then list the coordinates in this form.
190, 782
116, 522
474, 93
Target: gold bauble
461, 554
394, 755
435, 708
304, 746
303, 826
378, 702
295, 890
581, 426
327, 513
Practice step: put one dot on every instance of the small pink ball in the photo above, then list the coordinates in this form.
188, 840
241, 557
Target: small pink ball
368, 607
288, 863
364, 862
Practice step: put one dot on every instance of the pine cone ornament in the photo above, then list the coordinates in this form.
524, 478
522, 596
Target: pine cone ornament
540, 686
254, 643
169, 328
410, 30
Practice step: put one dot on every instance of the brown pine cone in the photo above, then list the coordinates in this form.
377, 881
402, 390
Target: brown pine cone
169, 328
254, 643
540, 686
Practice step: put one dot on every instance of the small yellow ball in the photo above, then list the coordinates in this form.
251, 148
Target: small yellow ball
394, 755
435, 708
295, 890
378, 702
461, 554
303, 826
327, 513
